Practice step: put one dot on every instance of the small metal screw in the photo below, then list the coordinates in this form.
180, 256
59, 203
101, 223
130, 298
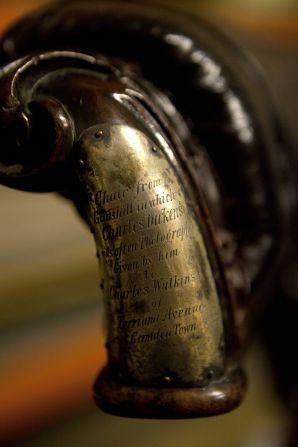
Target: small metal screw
222, 346
210, 374
98, 134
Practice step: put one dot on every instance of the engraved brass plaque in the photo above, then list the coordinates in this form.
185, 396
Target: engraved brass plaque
164, 317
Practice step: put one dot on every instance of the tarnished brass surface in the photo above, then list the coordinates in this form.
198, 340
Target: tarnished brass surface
164, 317
184, 180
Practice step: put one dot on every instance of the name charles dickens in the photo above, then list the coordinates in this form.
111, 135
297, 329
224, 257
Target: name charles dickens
107, 209
110, 232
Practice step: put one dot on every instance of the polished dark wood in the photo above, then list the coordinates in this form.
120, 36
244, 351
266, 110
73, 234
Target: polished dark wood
63, 68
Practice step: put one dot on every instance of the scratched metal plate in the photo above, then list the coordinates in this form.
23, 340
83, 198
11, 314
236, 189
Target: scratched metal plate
164, 318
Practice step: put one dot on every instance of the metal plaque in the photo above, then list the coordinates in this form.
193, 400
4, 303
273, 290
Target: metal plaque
164, 317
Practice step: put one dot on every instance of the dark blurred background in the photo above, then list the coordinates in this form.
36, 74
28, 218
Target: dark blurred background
51, 330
